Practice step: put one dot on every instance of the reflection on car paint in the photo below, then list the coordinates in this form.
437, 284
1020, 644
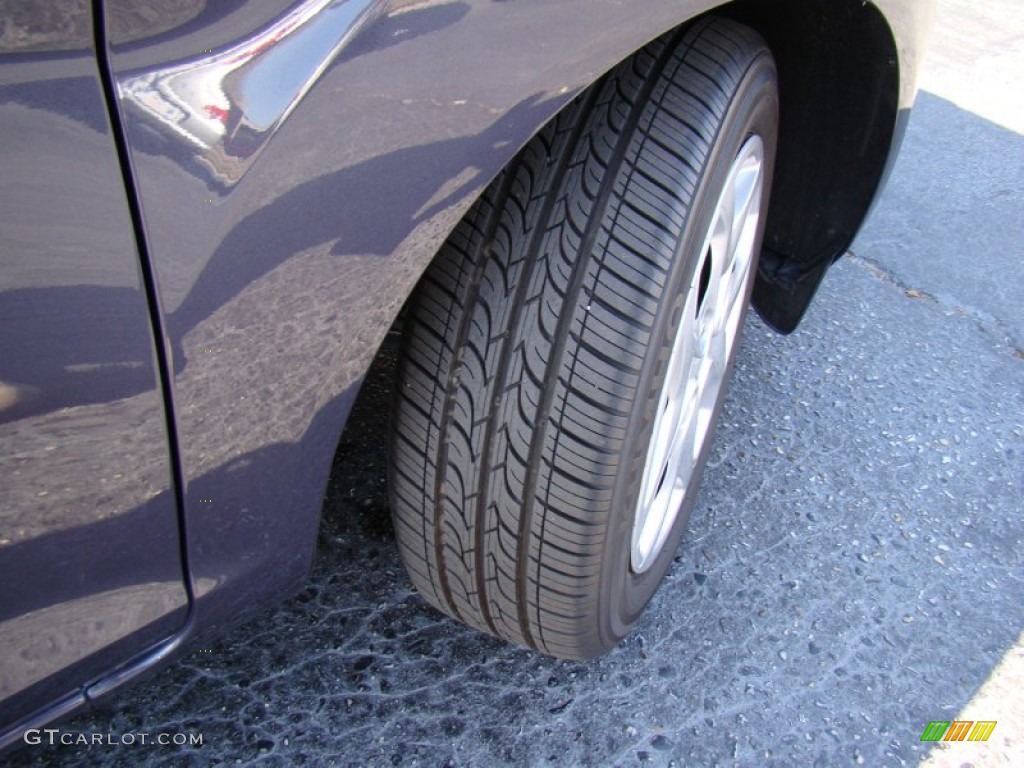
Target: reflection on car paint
89, 547
226, 105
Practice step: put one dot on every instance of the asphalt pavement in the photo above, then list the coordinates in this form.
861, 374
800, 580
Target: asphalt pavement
854, 567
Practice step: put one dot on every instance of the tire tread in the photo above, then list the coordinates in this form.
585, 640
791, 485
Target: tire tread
522, 346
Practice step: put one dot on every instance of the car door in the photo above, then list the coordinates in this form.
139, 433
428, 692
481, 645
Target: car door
90, 560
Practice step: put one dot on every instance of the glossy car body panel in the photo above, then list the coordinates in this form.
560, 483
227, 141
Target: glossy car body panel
89, 546
297, 165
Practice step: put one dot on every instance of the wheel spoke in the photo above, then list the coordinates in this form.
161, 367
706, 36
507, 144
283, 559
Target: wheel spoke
746, 194
747, 206
683, 445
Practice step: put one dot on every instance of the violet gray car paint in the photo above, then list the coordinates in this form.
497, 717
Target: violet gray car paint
208, 225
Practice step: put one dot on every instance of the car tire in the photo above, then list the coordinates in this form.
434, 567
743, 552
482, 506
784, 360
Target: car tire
565, 356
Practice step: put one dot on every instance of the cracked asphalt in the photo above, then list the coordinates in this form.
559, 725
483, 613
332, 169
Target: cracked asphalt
854, 567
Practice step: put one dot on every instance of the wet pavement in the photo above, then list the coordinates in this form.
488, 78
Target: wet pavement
854, 567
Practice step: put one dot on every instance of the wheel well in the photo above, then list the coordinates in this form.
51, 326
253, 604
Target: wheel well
839, 90
840, 117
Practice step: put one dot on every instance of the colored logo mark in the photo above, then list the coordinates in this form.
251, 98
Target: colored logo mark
958, 730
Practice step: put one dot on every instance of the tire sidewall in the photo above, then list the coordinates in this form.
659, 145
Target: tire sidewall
623, 594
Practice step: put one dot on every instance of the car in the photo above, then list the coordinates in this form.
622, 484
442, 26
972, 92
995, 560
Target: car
213, 214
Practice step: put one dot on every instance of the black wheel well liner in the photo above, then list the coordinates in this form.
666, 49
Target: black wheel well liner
839, 83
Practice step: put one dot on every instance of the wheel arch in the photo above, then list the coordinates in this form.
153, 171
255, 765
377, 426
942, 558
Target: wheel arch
840, 123
842, 117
